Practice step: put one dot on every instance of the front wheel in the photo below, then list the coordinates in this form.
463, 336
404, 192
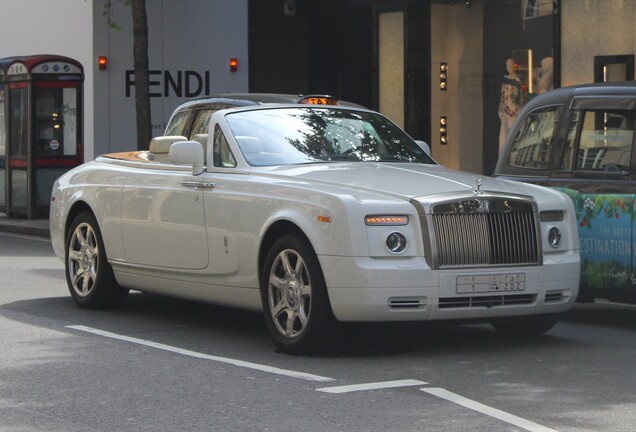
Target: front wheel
89, 276
294, 295
526, 326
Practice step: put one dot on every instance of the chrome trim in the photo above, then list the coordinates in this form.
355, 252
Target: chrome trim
407, 303
555, 296
197, 184
150, 165
461, 231
478, 190
486, 301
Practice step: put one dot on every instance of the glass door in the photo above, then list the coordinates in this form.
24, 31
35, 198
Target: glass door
56, 140
3, 152
391, 65
18, 157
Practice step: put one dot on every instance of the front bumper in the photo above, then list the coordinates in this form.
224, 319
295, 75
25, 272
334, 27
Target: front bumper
406, 289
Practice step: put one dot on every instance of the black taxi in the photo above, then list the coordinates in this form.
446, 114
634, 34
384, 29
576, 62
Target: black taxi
580, 140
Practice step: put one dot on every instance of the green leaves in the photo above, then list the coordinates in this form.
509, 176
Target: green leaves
109, 13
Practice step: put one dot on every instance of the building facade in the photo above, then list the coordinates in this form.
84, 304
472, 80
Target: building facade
451, 72
190, 44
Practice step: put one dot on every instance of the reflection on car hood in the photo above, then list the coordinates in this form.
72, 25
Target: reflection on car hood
399, 179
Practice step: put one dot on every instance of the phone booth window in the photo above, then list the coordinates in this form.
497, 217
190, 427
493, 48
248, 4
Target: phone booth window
3, 144
3, 147
56, 121
18, 145
19, 123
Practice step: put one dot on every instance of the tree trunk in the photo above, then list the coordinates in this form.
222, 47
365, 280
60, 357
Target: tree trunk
142, 89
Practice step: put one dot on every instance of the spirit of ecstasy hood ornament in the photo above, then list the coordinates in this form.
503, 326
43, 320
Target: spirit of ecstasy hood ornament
478, 190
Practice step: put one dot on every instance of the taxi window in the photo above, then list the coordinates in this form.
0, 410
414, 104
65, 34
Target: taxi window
599, 140
223, 156
532, 144
201, 122
178, 123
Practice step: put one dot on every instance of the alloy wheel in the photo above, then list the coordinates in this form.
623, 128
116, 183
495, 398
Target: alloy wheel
83, 257
289, 293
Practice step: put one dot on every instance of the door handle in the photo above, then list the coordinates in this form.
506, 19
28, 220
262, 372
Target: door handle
197, 184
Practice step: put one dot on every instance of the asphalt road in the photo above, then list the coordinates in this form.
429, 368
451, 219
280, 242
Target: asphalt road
161, 364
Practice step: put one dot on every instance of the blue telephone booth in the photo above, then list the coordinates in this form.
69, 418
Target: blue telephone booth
40, 129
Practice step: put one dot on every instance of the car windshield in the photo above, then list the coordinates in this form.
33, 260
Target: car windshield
289, 136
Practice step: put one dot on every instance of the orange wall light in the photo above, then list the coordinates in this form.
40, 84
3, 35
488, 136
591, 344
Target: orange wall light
102, 62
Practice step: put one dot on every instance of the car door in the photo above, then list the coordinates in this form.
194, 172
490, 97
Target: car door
163, 222
595, 168
226, 215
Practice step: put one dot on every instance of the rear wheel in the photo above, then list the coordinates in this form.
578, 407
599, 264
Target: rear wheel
294, 294
526, 326
89, 276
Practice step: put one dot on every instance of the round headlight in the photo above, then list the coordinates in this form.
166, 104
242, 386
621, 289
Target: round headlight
396, 242
554, 237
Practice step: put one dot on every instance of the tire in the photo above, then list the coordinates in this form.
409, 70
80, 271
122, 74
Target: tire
526, 326
297, 311
89, 276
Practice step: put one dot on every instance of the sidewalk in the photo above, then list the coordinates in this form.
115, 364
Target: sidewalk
33, 227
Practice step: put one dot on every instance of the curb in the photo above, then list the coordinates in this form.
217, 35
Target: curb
24, 227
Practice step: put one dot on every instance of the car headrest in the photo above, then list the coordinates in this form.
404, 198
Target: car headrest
161, 144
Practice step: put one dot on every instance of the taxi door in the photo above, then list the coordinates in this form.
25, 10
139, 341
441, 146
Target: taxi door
594, 166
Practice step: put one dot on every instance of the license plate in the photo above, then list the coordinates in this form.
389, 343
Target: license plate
491, 283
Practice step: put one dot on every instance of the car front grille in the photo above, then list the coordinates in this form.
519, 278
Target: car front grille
485, 239
480, 231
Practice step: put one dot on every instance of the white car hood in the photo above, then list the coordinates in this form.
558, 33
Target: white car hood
400, 179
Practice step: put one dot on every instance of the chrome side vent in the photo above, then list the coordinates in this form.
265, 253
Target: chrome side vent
404, 303
556, 296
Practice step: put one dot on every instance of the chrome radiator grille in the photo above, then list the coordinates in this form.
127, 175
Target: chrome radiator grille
483, 231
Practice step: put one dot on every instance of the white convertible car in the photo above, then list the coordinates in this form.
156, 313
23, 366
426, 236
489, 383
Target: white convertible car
315, 215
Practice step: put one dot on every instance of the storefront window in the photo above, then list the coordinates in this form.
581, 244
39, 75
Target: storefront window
519, 57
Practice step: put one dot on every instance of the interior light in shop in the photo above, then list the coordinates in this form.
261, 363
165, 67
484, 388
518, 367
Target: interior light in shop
443, 76
443, 130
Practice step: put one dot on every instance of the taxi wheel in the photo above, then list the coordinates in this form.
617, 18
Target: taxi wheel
89, 276
526, 326
297, 311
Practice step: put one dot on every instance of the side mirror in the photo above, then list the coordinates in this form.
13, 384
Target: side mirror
424, 146
188, 153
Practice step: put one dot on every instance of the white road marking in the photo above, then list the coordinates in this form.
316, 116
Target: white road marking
372, 386
230, 361
484, 409
435, 391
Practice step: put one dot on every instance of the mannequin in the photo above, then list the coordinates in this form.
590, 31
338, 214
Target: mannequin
545, 75
510, 100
